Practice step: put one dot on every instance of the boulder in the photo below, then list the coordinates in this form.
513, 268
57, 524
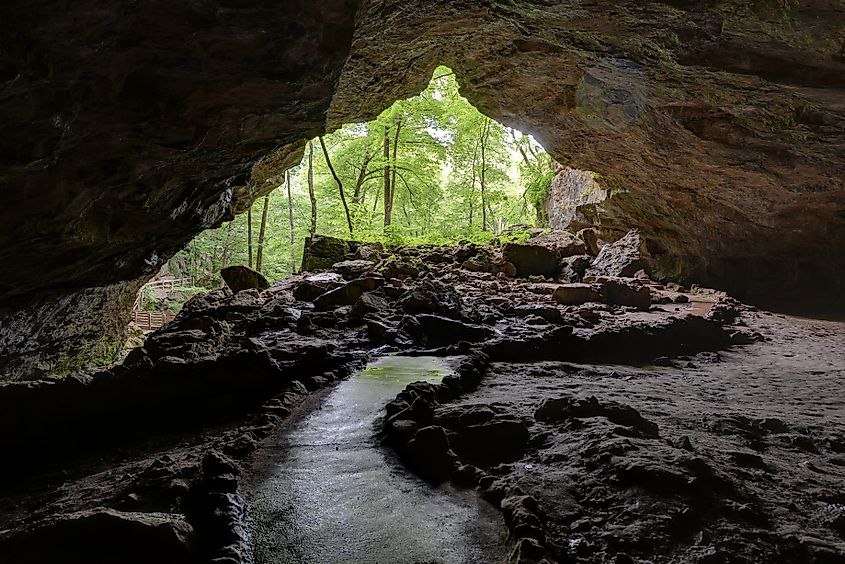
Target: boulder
623, 258
590, 237
395, 267
321, 252
370, 251
105, 535
530, 260
308, 291
239, 278
540, 256
625, 292
430, 454
349, 293
369, 302
432, 297
572, 269
438, 330
576, 294
351, 269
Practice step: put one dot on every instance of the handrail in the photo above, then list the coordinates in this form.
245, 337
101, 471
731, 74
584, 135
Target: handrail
161, 285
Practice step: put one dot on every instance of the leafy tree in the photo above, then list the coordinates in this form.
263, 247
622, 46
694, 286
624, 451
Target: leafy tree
429, 169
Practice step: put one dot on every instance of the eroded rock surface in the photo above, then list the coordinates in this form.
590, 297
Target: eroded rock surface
733, 456
162, 437
716, 128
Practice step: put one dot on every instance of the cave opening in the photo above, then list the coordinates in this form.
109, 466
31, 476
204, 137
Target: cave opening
598, 374
429, 169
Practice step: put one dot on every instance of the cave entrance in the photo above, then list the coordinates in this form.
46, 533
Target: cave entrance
446, 171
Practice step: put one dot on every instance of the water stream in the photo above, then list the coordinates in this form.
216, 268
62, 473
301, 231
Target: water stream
330, 494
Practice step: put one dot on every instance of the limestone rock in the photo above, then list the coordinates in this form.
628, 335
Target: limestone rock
572, 269
322, 251
351, 269
347, 294
107, 535
530, 259
625, 292
591, 239
240, 278
540, 255
576, 294
438, 330
622, 258
369, 302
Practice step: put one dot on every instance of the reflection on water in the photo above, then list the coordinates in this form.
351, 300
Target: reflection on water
336, 496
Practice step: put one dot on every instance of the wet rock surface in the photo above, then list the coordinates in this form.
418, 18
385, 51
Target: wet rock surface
733, 456
716, 128
171, 429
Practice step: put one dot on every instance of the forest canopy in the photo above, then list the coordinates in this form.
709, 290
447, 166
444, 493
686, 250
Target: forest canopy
429, 169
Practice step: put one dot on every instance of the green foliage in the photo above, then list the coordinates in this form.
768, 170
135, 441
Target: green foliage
439, 148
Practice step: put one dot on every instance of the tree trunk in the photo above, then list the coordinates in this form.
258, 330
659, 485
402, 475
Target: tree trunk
393, 164
387, 198
260, 254
362, 175
224, 260
313, 228
339, 183
249, 233
520, 147
472, 185
484, 132
290, 220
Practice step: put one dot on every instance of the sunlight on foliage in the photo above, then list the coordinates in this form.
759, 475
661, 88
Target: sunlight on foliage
447, 172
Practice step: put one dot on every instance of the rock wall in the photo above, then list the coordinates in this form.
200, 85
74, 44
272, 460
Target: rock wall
127, 128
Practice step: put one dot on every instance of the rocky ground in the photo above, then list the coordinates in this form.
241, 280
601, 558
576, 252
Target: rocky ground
676, 451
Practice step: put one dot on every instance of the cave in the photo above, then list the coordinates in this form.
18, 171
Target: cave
694, 412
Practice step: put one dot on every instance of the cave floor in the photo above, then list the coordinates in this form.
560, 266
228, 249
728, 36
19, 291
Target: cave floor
738, 455
749, 464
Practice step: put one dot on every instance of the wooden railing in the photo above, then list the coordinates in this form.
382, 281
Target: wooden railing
152, 320
166, 284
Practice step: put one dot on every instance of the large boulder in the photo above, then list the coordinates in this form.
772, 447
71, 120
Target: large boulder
351, 269
573, 269
99, 536
625, 292
432, 297
321, 252
541, 255
239, 278
576, 294
437, 330
623, 258
347, 294
530, 260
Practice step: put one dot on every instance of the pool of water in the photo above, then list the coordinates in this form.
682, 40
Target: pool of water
329, 493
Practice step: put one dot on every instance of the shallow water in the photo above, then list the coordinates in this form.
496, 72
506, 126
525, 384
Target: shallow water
335, 496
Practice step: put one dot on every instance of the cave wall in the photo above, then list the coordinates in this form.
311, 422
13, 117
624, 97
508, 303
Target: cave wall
126, 128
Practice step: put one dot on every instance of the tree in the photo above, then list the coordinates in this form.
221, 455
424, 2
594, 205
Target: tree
339, 184
249, 233
290, 219
313, 229
428, 169
260, 252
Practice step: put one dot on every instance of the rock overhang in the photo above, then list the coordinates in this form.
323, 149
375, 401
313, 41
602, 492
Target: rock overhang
728, 143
